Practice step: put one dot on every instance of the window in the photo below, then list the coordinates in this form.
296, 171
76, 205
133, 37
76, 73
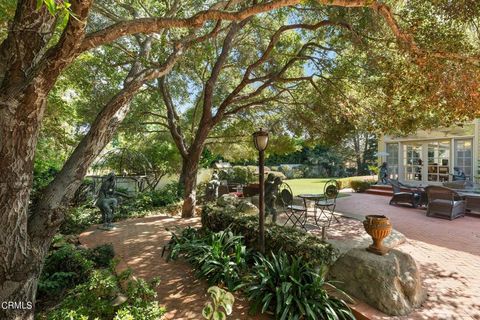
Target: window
392, 160
412, 161
463, 160
438, 161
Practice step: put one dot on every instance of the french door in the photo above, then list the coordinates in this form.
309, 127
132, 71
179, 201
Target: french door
427, 162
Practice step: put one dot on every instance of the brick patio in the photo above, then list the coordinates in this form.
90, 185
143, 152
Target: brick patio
448, 253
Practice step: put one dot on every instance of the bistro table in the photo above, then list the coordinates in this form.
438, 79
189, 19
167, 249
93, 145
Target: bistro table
308, 197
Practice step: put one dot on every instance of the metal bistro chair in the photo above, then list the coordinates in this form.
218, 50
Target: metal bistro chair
444, 203
297, 215
327, 204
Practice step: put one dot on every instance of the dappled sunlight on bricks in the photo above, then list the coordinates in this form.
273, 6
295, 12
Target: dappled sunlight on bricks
139, 243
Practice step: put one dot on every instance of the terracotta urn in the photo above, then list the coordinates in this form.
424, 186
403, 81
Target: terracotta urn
378, 227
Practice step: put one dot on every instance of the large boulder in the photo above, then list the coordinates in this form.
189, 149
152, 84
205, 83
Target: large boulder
390, 283
228, 200
247, 207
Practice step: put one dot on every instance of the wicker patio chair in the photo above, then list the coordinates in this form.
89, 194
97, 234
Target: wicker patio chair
444, 203
296, 214
413, 196
327, 204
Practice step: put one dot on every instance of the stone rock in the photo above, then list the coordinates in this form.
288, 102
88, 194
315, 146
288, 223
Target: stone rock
228, 199
389, 283
247, 207
395, 238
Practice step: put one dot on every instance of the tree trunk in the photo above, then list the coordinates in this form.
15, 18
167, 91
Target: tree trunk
20, 117
188, 183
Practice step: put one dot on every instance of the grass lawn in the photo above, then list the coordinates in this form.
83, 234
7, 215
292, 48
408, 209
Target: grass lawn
309, 186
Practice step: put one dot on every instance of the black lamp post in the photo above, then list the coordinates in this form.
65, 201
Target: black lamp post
260, 138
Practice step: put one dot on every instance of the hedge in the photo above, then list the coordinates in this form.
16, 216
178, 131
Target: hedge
347, 182
360, 186
293, 241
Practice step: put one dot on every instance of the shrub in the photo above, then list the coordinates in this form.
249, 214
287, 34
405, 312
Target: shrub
293, 172
101, 256
347, 182
69, 266
291, 289
289, 239
220, 257
238, 174
359, 186
78, 219
169, 194
64, 268
102, 297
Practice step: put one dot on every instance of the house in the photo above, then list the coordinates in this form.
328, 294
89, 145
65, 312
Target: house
434, 156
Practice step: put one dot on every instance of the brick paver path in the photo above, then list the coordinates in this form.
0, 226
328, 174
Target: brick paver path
139, 244
448, 253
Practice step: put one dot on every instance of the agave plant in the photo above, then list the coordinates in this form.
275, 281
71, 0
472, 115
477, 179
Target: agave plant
291, 289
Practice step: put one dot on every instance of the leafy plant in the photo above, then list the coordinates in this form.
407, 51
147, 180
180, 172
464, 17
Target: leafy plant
238, 174
101, 255
220, 257
63, 269
69, 266
291, 240
102, 297
78, 219
360, 186
221, 299
292, 289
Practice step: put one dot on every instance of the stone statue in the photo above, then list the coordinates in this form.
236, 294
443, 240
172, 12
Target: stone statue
106, 200
211, 193
383, 174
272, 185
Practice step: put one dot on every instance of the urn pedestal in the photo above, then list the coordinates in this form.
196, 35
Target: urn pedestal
378, 227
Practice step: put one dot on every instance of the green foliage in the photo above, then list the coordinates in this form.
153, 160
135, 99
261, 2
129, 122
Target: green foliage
292, 289
317, 162
154, 199
347, 182
101, 255
68, 266
221, 299
219, 257
43, 174
293, 173
238, 174
373, 169
103, 297
360, 186
293, 241
78, 219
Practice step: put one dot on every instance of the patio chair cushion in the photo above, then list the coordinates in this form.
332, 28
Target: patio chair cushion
406, 193
444, 202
